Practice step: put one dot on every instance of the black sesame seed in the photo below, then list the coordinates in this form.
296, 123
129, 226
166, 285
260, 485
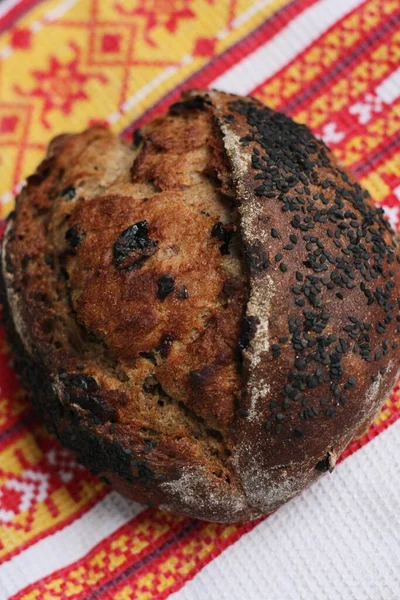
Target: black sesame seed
298, 433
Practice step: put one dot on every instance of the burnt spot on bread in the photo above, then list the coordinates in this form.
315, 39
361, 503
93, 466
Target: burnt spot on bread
42, 172
137, 137
68, 193
74, 236
165, 286
133, 246
141, 470
49, 259
25, 261
248, 328
327, 463
224, 234
97, 406
102, 454
150, 356
194, 103
79, 380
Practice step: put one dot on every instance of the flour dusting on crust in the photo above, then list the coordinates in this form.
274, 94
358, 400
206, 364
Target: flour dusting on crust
268, 489
193, 489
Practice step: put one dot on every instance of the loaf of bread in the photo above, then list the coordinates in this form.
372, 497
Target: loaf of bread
208, 316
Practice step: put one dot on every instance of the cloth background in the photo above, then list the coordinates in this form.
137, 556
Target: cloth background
64, 64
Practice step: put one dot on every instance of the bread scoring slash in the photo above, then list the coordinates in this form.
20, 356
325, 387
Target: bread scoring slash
208, 316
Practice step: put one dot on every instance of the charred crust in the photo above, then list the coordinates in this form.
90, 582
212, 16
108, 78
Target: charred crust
97, 451
74, 236
165, 286
194, 103
248, 328
79, 380
42, 172
137, 137
325, 464
97, 406
223, 233
133, 246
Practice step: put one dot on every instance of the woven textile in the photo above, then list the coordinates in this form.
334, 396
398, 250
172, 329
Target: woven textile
66, 64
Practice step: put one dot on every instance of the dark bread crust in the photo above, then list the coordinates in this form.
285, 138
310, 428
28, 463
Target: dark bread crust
307, 393
216, 385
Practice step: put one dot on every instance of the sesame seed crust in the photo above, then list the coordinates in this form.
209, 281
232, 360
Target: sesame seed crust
325, 303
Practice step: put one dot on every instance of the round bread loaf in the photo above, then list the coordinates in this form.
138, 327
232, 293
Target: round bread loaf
207, 317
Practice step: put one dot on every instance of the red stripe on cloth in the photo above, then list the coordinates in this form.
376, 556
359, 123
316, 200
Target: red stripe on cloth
221, 63
369, 44
51, 530
139, 529
15, 13
145, 563
360, 137
383, 152
196, 537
